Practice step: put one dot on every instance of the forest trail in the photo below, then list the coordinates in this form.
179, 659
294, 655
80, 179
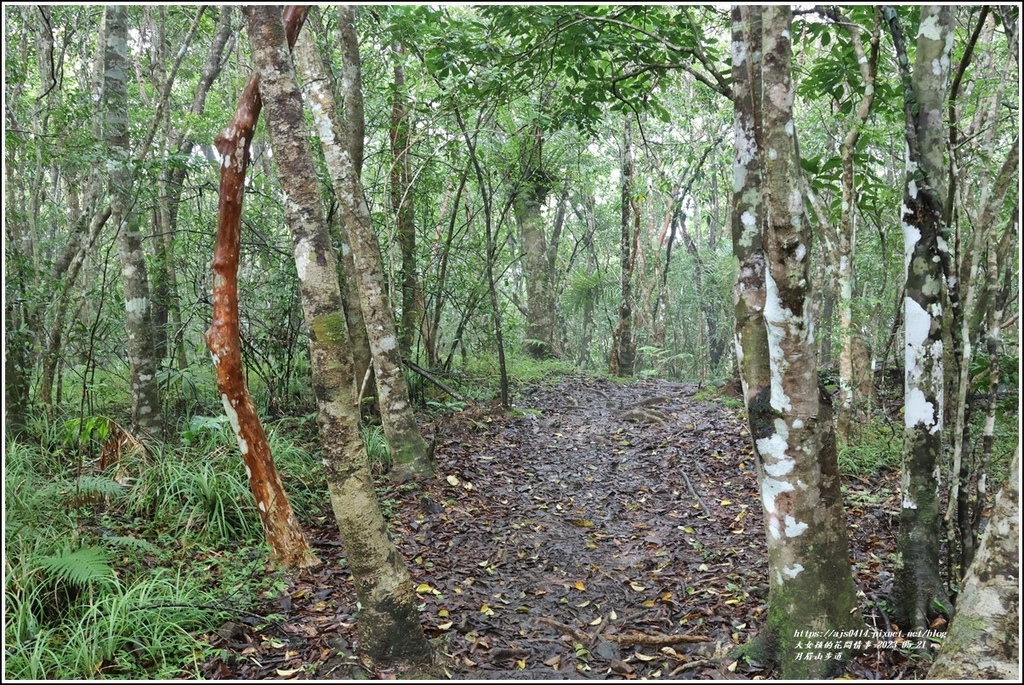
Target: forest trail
608, 530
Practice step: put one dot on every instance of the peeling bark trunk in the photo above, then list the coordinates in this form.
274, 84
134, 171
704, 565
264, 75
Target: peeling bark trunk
138, 317
919, 590
389, 626
810, 581
287, 542
410, 454
983, 641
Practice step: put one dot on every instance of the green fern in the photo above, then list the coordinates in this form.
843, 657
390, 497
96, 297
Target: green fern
83, 567
98, 486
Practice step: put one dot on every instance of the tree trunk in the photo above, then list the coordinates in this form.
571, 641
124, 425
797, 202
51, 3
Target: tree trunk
138, 322
541, 338
402, 205
851, 409
287, 542
983, 641
389, 626
810, 582
919, 590
623, 354
751, 337
411, 455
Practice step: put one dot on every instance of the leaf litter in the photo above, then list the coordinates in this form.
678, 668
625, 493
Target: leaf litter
603, 531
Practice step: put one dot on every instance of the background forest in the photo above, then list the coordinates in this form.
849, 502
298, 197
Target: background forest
549, 191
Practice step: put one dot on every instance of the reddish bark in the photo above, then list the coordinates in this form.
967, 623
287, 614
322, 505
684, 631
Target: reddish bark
288, 543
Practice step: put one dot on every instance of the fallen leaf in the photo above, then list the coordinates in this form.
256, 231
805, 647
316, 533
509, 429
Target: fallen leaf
582, 523
288, 672
595, 622
579, 585
637, 586
452, 480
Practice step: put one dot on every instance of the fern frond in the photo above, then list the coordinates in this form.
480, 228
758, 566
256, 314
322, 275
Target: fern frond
99, 486
81, 567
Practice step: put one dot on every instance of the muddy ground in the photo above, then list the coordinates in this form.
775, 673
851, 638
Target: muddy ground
601, 531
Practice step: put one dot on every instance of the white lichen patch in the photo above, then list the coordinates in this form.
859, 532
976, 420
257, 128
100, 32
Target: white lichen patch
930, 28
772, 154
801, 252
388, 343
918, 324
793, 571
911, 236
303, 257
136, 305
919, 411
232, 415
739, 52
777, 318
263, 507
907, 502
794, 527
771, 488
789, 128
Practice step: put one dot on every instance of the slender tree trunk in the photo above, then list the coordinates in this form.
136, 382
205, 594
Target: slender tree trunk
751, 338
402, 205
389, 626
288, 544
850, 403
411, 455
810, 582
487, 195
138, 322
623, 355
983, 640
173, 179
919, 590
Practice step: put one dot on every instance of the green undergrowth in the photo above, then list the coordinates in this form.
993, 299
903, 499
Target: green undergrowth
119, 573
874, 448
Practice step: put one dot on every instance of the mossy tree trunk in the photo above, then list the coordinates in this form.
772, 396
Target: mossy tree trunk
402, 204
541, 329
342, 141
389, 626
811, 585
919, 590
139, 341
983, 640
623, 354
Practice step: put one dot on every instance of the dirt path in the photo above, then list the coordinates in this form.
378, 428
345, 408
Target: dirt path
610, 530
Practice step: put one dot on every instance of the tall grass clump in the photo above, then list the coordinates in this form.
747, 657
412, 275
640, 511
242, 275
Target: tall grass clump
82, 600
